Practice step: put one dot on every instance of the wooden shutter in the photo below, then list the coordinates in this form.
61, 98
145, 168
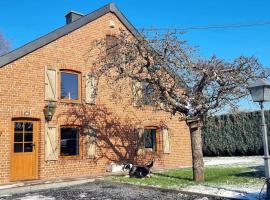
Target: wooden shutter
51, 143
50, 84
140, 134
166, 141
91, 88
90, 144
137, 93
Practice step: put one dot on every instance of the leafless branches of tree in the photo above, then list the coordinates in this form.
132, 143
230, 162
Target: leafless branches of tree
181, 81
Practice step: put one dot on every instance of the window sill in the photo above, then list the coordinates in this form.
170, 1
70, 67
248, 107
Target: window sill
149, 149
166, 153
52, 100
145, 106
71, 157
70, 101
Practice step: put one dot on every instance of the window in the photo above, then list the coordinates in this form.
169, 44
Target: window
111, 45
23, 137
69, 86
148, 94
70, 144
150, 138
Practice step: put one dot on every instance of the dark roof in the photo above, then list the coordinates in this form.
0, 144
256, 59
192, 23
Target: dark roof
60, 32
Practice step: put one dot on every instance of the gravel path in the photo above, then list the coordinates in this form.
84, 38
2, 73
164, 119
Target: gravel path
105, 191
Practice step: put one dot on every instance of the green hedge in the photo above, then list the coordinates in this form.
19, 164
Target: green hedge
234, 134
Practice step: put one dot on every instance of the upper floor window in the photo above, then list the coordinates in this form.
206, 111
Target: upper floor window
143, 93
112, 47
69, 85
148, 94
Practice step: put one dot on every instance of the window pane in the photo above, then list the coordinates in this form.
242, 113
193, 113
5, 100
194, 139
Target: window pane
148, 94
150, 138
69, 86
18, 147
28, 147
153, 135
28, 126
69, 141
112, 47
18, 126
18, 137
28, 137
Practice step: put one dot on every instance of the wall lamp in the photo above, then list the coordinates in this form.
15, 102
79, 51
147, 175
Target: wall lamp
49, 111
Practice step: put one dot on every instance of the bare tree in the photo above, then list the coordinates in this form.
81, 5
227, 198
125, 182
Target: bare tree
4, 45
181, 82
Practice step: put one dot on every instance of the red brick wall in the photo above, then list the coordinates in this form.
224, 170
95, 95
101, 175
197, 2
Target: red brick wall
22, 92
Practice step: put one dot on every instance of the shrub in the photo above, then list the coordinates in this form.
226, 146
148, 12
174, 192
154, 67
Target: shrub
234, 134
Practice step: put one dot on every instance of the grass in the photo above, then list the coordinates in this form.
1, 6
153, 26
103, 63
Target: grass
213, 175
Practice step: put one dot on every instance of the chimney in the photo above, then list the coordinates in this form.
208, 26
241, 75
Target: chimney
72, 16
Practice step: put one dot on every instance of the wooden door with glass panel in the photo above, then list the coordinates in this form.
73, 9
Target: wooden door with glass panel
24, 150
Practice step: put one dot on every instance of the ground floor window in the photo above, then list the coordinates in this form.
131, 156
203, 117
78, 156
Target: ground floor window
150, 138
70, 143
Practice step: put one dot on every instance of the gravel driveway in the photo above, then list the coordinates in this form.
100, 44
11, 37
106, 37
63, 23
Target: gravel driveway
105, 191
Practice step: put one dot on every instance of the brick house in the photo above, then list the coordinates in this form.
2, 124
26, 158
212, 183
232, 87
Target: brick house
47, 81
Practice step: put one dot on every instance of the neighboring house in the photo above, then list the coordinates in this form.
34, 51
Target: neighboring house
41, 141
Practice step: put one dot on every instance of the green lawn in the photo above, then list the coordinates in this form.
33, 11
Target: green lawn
213, 175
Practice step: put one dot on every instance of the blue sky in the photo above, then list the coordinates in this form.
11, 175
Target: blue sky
21, 21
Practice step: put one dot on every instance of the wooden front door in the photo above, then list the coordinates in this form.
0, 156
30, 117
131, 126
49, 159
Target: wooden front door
24, 150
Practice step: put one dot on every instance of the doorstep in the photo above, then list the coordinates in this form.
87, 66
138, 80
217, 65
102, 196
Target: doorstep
34, 185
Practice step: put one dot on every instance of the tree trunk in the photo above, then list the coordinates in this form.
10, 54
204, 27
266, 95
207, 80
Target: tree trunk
197, 154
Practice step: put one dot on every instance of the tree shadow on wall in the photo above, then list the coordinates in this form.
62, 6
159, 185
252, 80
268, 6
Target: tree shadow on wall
115, 139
